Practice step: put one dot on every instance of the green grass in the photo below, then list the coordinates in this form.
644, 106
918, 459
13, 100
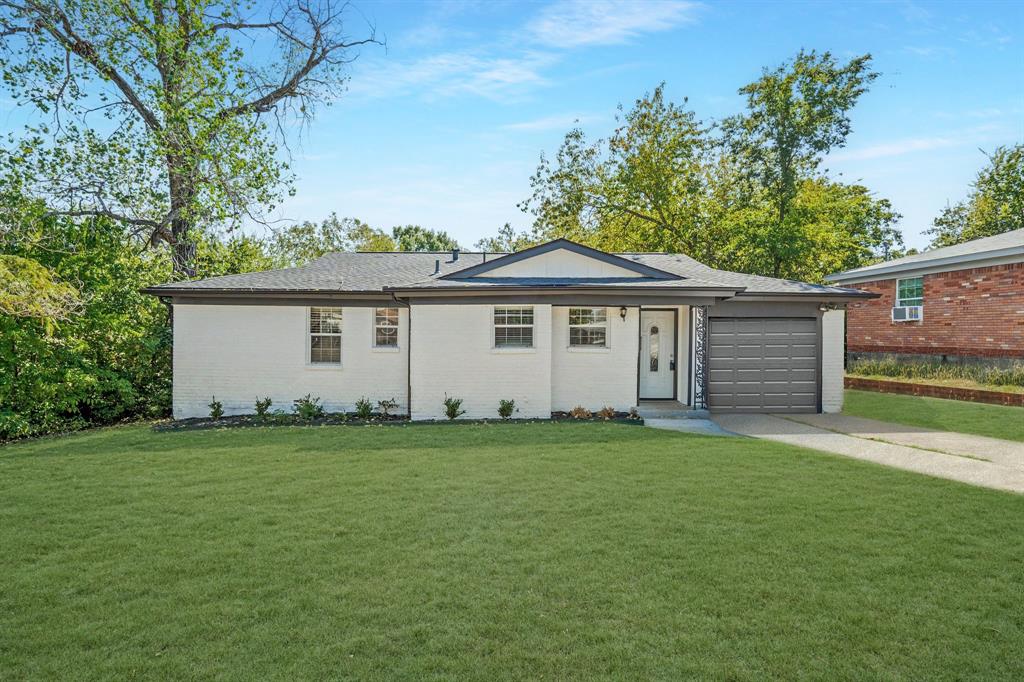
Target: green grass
512, 551
997, 421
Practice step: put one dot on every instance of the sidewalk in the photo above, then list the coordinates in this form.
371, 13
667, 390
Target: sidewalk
977, 460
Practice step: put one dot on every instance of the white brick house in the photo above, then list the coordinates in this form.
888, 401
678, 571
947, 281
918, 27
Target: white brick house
551, 327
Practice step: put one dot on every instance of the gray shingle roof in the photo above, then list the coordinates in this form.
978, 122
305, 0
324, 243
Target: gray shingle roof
1009, 242
379, 272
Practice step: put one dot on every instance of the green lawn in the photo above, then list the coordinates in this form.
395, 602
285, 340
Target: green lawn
997, 421
518, 551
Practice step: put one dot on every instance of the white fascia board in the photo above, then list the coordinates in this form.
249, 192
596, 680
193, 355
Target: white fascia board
1014, 254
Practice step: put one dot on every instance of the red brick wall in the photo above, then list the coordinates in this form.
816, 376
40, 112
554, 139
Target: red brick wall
966, 312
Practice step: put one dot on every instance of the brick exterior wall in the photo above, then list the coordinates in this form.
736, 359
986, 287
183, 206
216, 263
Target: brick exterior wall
975, 312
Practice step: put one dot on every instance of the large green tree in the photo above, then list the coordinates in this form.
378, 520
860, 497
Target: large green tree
416, 238
644, 187
162, 115
298, 244
796, 113
107, 357
665, 182
995, 203
834, 227
507, 240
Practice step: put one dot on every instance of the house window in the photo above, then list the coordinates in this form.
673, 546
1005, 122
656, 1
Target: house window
325, 336
588, 327
513, 326
909, 291
385, 328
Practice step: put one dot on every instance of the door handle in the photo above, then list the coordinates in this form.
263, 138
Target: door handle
672, 364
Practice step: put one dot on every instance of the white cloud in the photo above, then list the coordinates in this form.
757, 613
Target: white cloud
576, 23
929, 51
453, 73
556, 122
895, 148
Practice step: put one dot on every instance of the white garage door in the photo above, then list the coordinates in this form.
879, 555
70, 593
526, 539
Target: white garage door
763, 365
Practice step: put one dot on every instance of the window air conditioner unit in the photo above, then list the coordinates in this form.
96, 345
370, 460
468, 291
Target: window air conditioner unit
907, 313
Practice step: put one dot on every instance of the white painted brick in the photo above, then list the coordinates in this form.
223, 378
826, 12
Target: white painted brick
453, 354
833, 330
241, 353
594, 378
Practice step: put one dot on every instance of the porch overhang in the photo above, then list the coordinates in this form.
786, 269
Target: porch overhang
566, 295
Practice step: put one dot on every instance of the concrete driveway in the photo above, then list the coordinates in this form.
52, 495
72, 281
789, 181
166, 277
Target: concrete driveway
977, 460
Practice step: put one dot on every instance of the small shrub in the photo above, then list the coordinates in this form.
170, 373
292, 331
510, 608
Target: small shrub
607, 412
634, 414
216, 408
364, 408
506, 408
452, 407
580, 412
263, 407
308, 407
385, 407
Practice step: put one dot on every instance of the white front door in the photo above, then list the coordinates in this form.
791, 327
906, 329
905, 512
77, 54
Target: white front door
657, 354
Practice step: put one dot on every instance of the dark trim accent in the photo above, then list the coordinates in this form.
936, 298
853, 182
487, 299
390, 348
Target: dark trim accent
500, 289
639, 348
171, 290
408, 353
817, 383
675, 354
834, 296
580, 299
332, 300
568, 245
689, 359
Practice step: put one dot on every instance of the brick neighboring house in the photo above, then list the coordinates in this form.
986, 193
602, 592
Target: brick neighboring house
962, 303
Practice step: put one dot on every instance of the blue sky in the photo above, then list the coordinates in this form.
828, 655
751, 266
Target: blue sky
444, 127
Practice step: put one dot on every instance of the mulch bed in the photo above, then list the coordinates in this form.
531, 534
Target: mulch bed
251, 420
931, 391
341, 419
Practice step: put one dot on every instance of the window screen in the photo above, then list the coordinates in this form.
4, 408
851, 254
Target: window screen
513, 327
588, 327
385, 327
909, 291
325, 336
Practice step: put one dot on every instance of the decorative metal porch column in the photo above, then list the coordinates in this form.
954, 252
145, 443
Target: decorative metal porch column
700, 357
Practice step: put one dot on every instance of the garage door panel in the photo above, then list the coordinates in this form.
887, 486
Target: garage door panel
763, 364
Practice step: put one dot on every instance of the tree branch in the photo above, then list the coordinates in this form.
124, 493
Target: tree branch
55, 21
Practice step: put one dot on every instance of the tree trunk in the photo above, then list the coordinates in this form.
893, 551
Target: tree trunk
183, 250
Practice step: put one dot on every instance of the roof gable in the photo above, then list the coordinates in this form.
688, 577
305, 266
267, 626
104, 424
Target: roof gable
565, 259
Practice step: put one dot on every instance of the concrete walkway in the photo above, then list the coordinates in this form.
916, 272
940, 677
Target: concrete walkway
1009, 453
703, 427
987, 462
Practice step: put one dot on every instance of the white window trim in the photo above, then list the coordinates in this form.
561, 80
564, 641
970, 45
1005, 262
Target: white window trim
532, 348
898, 302
373, 331
309, 341
587, 349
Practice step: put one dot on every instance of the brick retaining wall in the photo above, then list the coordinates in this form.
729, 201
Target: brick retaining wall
948, 392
